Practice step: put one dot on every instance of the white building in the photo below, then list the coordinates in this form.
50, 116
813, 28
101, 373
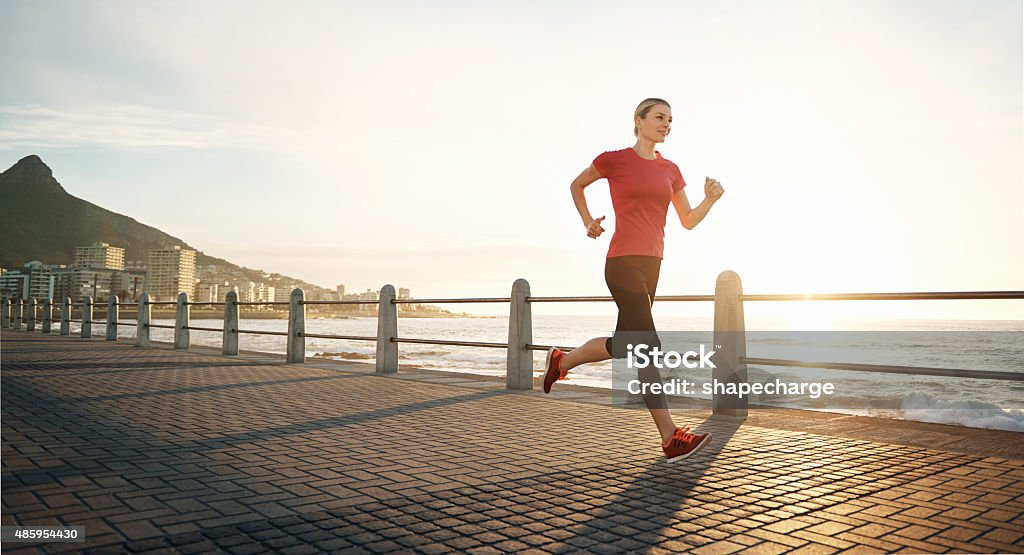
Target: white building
170, 271
99, 256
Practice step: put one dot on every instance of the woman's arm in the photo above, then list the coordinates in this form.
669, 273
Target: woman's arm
690, 217
588, 176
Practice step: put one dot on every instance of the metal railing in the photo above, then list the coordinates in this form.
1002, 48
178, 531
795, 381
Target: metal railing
730, 354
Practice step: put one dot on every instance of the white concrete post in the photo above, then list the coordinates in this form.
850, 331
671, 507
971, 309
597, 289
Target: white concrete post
142, 321
387, 328
30, 320
181, 331
519, 362
87, 316
730, 343
112, 310
47, 315
5, 314
65, 316
230, 338
18, 305
297, 327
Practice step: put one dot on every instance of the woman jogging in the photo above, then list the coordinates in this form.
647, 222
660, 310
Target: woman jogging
642, 183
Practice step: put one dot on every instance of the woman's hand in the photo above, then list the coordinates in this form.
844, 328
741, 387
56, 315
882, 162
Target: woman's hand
594, 229
713, 189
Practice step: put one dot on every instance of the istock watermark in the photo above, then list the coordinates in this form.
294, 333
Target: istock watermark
643, 355
904, 373
675, 386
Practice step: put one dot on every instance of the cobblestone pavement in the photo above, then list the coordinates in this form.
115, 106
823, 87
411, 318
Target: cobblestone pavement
156, 450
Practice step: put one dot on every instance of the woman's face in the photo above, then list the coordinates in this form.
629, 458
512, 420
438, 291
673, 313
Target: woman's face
656, 125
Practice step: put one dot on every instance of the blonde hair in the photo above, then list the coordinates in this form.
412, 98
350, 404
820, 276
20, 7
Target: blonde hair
643, 109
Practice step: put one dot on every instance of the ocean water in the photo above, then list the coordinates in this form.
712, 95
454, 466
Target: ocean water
968, 344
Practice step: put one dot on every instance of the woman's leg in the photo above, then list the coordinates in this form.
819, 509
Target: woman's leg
633, 282
662, 417
659, 411
591, 351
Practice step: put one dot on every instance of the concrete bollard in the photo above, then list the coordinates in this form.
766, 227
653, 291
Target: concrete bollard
730, 343
519, 362
47, 315
229, 341
182, 337
112, 309
65, 316
387, 328
30, 321
87, 316
142, 321
297, 327
19, 306
5, 313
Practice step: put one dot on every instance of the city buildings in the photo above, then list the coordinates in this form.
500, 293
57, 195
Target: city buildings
34, 279
252, 292
207, 292
100, 270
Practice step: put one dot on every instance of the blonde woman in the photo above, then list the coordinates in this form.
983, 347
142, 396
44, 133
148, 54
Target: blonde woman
642, 185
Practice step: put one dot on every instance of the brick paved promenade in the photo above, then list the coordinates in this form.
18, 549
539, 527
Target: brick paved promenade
155, 450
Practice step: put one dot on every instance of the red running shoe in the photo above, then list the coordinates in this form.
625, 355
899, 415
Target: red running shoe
683, 444
554, 369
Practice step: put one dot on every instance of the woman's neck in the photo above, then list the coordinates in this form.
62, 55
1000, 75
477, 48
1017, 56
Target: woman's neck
645, 149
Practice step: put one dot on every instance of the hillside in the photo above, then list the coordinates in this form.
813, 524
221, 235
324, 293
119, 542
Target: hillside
39, 220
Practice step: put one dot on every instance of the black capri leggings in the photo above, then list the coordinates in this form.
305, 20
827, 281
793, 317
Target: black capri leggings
633, 280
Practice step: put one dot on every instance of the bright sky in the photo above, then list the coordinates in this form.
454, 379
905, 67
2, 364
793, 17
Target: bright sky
863, 145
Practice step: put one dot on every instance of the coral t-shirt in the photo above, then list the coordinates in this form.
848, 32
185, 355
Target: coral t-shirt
641, 191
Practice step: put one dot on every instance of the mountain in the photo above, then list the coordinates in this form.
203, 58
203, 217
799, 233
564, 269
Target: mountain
39, 220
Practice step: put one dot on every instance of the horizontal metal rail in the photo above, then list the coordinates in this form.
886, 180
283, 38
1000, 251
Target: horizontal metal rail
340, 302
432, 341
890, 369
154, 303
674, 298
259, 303
437, 342
534, 347
127, 304
258, 332
352, 337
165, 326
206, 303
936, 295
442, 342
120, 323
700, 298
466, 300
203, 329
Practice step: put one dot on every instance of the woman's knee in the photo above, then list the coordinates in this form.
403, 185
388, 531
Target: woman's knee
618, 345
